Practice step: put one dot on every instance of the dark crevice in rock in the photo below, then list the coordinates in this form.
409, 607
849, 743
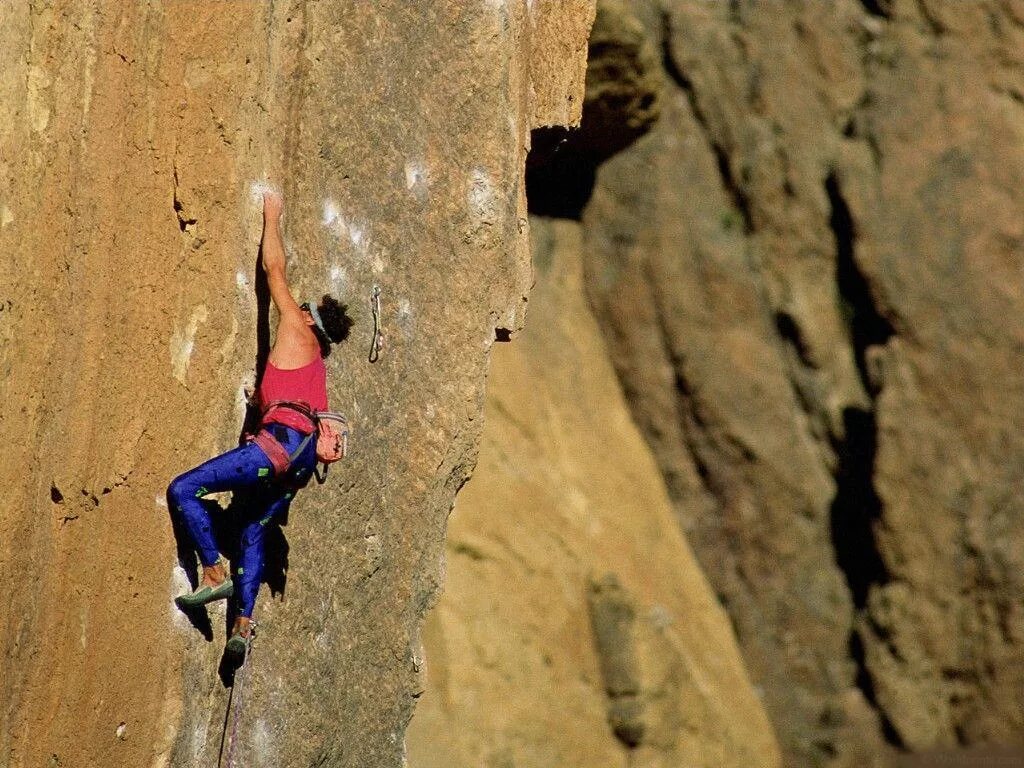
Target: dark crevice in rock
622, 103
858, 127
736, 12
55, 495
800, 374
502, 334
185, 222
868, 326
692, 423
737, 195
935, 25
668, 60
559, 176
882, 8
867, 687
788, 329
857, 508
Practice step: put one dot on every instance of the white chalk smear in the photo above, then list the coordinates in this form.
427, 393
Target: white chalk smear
242, 280
241, 401
357, 235
160, 500
183, 342
481, 195
378, 264
416, 179
660, 617
413, 174
331, 213
263, 743
332, 219
247, 384
261, 187
84, 621
6, 216
405, 320
38, 96
338, 278
199, 735
179, 586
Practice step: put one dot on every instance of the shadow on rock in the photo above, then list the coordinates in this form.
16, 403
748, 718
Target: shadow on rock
227, 526
188, 559
230, 663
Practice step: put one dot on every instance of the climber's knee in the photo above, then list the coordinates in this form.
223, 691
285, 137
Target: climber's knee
182, 489
178, 490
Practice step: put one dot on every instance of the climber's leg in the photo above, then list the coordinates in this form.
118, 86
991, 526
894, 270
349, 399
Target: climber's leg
250, 567
239, 468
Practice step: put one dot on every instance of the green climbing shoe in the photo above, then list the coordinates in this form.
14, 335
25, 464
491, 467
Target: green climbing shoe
235, 646
239, 639
206, 594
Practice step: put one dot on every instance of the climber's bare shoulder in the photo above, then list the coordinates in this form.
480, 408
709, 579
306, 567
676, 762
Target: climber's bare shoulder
295, 345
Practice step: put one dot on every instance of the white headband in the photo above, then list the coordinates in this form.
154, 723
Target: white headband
315, 313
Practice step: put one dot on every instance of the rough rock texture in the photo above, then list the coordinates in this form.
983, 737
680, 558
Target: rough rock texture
133, 142
575, 628
809, 277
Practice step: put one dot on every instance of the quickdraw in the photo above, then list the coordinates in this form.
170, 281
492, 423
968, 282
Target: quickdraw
378, 337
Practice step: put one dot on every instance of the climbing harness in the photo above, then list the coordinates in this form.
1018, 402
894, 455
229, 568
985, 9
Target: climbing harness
330, 430
378, 338
235, 703
278, 455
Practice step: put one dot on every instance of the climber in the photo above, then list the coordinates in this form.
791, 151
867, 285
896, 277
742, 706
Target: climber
278, 461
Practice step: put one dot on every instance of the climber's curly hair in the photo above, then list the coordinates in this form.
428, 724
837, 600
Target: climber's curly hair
336, 322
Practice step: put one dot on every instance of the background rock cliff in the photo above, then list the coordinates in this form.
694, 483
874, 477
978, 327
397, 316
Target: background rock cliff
133, 142
575, 627
802, 238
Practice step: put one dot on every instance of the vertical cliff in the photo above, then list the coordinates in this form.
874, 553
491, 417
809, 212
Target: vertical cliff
134, 140
807, 273
575, 627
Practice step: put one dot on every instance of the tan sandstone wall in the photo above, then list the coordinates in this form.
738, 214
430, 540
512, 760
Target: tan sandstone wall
134, 140
575, 627
803, 242
809, 276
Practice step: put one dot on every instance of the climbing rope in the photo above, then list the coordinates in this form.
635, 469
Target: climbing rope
378, 338
236, 702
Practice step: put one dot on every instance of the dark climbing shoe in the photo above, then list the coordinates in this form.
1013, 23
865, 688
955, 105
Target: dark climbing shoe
236, 646
206, 594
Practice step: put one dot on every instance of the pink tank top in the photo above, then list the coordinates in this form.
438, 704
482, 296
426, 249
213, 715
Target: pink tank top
307, 384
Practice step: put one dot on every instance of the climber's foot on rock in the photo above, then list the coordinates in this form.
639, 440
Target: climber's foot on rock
240, 635
215, 585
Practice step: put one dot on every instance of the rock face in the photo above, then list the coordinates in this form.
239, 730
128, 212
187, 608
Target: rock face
134, 140
808, 275
575, 627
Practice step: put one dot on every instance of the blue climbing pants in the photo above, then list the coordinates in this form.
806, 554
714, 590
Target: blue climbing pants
248, 469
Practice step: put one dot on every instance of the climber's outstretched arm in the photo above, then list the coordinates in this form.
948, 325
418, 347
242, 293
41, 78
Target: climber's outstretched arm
274, 260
